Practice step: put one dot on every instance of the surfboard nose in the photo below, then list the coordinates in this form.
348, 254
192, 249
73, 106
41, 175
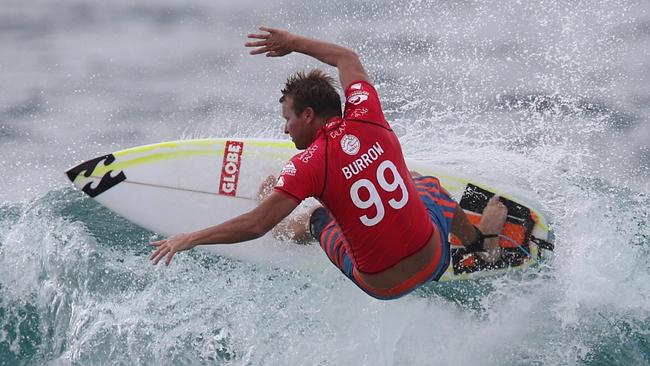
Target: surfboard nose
93, 170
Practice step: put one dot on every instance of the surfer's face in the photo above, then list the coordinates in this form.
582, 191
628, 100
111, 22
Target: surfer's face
297, 125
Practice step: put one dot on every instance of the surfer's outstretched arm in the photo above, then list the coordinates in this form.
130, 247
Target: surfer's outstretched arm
248, 226
278, 42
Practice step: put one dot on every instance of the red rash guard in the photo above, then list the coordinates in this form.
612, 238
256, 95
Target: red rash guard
356, 169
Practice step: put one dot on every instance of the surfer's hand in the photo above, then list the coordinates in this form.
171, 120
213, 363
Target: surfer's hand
275, 42
170, 246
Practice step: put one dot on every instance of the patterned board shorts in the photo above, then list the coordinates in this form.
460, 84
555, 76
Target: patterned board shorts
441, 208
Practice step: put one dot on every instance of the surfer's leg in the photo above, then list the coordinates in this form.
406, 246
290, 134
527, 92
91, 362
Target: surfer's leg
330, 236
438, 202
441, 208
492, 221
325, 229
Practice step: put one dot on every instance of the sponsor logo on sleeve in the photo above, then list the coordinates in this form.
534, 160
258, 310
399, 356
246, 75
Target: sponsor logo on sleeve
358, 112
232, 153
289, 169
356, 86
308, 154
350, 144
280, 182
358, 97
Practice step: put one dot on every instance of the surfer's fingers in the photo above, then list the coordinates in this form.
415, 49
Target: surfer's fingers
159, 247
154, 254
260, 50
256, 44
259, 36
269, 29
157, 243
170, 255
155, 257
159, 254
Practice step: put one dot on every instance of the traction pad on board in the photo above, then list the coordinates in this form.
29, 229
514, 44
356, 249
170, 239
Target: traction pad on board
515, 235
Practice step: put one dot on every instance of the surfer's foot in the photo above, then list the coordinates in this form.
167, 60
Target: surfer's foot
492, 221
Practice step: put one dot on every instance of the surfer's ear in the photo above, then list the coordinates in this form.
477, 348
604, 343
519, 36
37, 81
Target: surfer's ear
308, 114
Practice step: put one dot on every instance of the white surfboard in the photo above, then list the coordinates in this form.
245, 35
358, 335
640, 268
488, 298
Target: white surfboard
183, 186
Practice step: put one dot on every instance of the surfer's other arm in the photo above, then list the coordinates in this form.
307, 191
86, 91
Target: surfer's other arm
278, 42
248, 226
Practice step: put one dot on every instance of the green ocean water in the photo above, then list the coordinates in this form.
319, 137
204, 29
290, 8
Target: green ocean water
77, 289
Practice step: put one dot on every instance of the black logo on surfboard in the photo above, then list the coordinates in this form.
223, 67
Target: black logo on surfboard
105, 183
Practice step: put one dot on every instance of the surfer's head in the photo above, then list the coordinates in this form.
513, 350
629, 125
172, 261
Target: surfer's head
308, 102
313, 90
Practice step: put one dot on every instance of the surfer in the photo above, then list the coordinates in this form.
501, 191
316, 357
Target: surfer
384, 230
